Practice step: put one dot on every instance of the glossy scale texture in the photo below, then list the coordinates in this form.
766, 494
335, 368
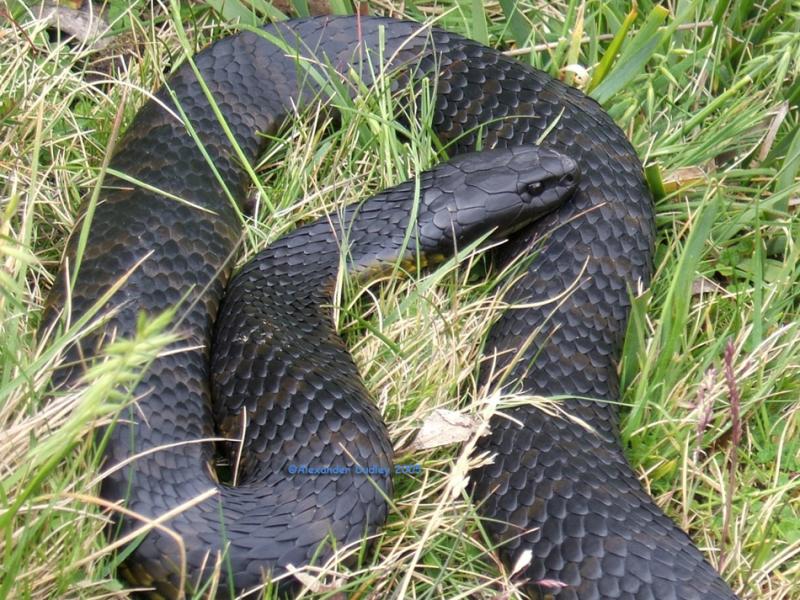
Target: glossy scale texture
564, 493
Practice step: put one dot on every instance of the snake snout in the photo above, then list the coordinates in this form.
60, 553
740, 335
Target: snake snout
565, 173
548, 186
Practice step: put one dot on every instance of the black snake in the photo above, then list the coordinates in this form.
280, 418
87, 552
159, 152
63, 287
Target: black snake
564, 494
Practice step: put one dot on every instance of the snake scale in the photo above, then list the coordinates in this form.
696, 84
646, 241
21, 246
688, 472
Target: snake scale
556, 492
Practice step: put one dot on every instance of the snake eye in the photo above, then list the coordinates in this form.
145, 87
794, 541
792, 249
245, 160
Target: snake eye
567, 179
534, 187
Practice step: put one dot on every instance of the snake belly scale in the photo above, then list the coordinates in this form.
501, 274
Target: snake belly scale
566, 496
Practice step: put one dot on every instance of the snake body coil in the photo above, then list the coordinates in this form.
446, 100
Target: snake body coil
566, 495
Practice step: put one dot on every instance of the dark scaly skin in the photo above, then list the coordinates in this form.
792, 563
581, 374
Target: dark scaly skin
555, 489
277, 353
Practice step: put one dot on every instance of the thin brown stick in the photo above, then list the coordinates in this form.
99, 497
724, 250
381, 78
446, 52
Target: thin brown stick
602, 37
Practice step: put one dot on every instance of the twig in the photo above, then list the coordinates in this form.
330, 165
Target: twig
602, 37
736, 431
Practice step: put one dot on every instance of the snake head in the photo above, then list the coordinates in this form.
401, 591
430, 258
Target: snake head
497, 191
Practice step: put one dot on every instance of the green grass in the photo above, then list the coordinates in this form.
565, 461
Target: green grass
708, 91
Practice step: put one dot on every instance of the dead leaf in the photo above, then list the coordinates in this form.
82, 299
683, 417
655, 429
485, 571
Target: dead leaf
772, 131
580, 75
85, 22
683, 177
523, 560
313, 583
444, 427
703, 285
